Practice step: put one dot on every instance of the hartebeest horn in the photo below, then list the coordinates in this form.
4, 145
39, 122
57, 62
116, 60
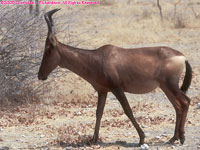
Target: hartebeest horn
49, 20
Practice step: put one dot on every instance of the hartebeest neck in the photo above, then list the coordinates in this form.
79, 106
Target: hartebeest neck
79, 61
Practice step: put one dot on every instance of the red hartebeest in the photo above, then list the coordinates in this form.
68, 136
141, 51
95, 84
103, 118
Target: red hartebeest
118, 70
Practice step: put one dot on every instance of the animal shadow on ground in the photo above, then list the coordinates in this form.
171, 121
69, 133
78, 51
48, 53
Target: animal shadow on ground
85, 141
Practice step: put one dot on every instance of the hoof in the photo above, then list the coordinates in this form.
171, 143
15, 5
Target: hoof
93, 141
142, 137
182, 140
141, 143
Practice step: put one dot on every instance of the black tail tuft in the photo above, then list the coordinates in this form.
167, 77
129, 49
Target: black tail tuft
188, 77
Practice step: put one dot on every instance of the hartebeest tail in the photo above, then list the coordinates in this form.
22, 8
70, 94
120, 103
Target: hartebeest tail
188, 77
118, 70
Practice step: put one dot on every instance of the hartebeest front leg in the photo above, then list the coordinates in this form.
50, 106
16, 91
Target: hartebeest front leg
126, 107
99, 112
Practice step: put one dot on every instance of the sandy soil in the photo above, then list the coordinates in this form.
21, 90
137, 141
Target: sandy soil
65, 117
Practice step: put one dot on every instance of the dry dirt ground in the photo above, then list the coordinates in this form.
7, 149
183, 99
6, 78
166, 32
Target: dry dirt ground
65, 117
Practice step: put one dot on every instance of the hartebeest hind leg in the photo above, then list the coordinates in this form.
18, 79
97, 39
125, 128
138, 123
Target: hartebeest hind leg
180, 103
126, 107
185, 101
99, 112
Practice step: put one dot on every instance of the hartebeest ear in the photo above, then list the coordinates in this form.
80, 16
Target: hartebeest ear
52, 39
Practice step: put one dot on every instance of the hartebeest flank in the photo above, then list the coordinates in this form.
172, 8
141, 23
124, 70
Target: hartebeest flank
118, 70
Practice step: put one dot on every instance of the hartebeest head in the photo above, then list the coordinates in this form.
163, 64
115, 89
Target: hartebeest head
51, 57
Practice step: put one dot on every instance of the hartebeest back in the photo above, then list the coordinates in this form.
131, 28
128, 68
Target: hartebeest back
118, 70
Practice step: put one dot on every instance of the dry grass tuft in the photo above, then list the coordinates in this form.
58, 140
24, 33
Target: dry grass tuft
179, 22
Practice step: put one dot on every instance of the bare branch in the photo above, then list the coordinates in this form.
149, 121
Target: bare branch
160, 9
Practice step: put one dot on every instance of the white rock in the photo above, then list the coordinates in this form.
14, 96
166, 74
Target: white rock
198, 105
68, 148
173, 147
143, 126
1, 129
130, 133
78, 113
23, 135
157, 137
42, 136
22, 141
144, 147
